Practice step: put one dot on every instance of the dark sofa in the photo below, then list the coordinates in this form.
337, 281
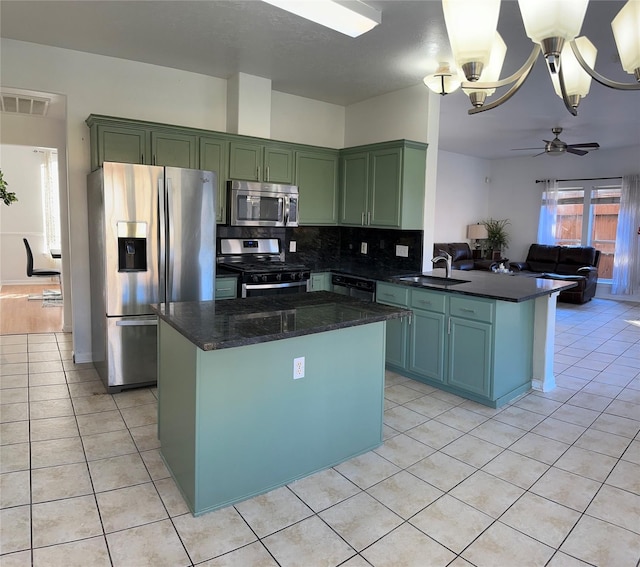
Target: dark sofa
461, 256
569, 263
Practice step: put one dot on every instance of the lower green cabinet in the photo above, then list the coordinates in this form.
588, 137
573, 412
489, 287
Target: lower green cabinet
226, 287
321, 281
478, 348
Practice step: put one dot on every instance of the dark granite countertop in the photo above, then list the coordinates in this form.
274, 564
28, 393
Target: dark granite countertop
213, 325
504, 287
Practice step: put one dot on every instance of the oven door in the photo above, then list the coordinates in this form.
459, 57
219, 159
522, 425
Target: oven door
255, 290
251, 208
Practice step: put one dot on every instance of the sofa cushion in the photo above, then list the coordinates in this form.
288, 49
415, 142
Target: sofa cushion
577, 256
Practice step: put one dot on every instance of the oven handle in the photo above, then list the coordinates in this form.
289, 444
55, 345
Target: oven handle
250, 286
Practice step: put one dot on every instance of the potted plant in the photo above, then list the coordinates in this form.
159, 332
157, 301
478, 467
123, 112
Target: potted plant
498, 237
7, 196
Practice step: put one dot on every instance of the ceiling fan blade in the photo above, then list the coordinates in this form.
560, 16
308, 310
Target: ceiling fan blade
588, 145
520, 149
536, 155
576, 151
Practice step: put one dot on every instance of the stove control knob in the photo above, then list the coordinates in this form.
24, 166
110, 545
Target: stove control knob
264, 278
254, 278
279, 277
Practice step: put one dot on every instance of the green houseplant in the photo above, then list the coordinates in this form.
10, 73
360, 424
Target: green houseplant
498, 237
7, 196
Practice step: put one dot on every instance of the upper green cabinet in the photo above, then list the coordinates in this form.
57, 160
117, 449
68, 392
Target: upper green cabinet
317, 180
382, 185
214, 157
174, 149
124, 144
260, 162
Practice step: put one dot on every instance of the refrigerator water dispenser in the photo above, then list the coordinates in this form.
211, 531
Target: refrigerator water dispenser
132, 246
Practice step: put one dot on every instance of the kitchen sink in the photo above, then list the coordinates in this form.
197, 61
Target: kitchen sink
431, 280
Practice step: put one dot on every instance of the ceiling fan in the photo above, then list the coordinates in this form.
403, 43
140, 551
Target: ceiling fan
557, 147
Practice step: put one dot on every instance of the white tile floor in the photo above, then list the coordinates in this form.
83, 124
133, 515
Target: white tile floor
553, 479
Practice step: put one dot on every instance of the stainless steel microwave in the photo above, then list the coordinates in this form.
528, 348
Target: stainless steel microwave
252, 203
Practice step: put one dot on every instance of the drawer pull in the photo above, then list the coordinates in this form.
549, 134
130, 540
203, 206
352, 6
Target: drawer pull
467, 310
424, 301
223, 289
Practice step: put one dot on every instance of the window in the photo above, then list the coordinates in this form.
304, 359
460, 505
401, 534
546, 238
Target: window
50, 198
588, 216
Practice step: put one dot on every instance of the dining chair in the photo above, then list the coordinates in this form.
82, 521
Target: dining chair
31, 271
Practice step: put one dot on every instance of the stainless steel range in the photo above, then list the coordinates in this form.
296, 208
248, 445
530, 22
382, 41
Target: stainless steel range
261, 267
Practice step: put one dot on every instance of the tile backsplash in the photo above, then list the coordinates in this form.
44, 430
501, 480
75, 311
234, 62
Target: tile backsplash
322, 247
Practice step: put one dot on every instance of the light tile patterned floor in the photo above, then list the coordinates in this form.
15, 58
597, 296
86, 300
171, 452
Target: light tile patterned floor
553, 479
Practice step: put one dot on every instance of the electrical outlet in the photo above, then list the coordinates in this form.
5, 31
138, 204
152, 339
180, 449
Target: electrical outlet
402, 251
292, 246
298, 367
363, 248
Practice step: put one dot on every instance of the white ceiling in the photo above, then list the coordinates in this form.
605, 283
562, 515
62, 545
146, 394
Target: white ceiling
223, 37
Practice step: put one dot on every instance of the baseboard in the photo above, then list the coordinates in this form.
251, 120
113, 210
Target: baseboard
603, 291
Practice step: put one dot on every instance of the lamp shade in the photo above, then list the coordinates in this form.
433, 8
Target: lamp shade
491, 72
576, 80
626, 32
443, 81
471, 27
477, 232
544, 19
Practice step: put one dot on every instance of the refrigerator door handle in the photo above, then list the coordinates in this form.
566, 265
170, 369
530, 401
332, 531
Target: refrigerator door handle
169, 238
136, 323
162, 250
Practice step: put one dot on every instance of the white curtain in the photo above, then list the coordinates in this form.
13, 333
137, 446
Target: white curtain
548, 213
626, 262
50, 199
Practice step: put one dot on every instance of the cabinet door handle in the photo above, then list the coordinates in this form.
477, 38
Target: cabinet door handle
258, 173
449, 326
362, 219
368, 218
268, 174
141, 158
467, 310
387, 294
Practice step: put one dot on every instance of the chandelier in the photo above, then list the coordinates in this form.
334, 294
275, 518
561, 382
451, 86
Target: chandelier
553, 26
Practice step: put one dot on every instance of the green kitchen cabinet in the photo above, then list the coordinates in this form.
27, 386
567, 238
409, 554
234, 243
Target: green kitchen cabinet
354, 168
260, 162
427, 341
478, 348
226, 287
397, 329
119, 143
214, 157
382, 185
174, 149
321, 281
316, 176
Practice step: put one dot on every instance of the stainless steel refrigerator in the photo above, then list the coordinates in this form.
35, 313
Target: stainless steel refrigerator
152, 234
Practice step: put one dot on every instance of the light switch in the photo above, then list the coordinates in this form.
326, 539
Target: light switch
292, 246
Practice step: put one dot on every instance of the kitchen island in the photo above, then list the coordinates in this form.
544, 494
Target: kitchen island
255, 393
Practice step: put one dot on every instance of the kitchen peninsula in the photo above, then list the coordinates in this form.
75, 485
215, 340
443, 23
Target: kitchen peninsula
255, 393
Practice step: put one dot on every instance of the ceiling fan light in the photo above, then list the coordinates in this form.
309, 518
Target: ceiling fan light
443, 81
471, 26
626, 32
576, 80
547, 19
491, 72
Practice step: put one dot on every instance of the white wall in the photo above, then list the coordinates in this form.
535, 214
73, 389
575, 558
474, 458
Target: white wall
104, 85
462, 196
392, 116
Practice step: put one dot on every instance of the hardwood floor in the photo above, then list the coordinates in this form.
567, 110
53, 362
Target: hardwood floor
20, 315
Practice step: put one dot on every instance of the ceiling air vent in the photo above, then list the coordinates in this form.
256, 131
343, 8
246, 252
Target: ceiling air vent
22, 104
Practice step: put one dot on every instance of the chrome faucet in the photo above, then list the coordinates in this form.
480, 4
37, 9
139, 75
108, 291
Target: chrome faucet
447, 258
